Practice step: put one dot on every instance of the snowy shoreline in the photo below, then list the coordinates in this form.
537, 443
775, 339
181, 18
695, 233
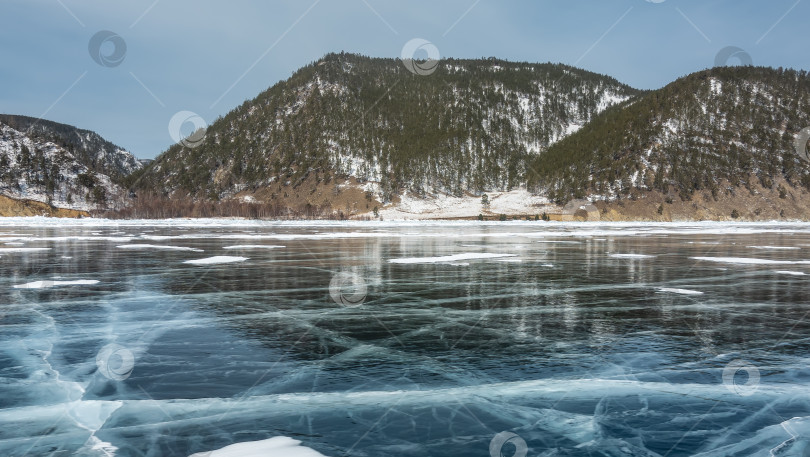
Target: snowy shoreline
40, 221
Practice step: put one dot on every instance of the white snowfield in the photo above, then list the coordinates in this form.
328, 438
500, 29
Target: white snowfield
279, 446
444, 206
216, 260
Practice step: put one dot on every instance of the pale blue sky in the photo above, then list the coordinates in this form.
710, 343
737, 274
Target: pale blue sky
207, 57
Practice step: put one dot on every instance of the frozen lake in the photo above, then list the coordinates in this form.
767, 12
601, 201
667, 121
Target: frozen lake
172, 338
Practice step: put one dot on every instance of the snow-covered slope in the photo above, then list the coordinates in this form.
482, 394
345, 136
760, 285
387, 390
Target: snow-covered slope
470, 127
66, 175
88, 147
716, 130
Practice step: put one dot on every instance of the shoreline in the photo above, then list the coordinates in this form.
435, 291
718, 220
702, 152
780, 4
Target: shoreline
242, 222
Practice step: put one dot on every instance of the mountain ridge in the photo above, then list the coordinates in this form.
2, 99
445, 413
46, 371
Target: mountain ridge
720, 123
352, 136
61, 165
468, 127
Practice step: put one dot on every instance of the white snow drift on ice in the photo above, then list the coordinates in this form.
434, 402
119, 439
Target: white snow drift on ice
278, 446
50, 284
158, 247
450, 258
215, 260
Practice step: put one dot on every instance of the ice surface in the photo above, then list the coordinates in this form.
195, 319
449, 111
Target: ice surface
576, 352
216, 260
279, 446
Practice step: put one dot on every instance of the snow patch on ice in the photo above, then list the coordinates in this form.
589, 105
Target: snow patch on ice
680, 291
791, 273
50, 284
632, 256
450, 258
253, 246
278, 446
158, 247
749, 261
216, 260
2, 250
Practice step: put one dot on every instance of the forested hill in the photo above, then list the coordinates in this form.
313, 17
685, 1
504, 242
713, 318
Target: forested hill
61, 165
472, 125
88, 147
711, 131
